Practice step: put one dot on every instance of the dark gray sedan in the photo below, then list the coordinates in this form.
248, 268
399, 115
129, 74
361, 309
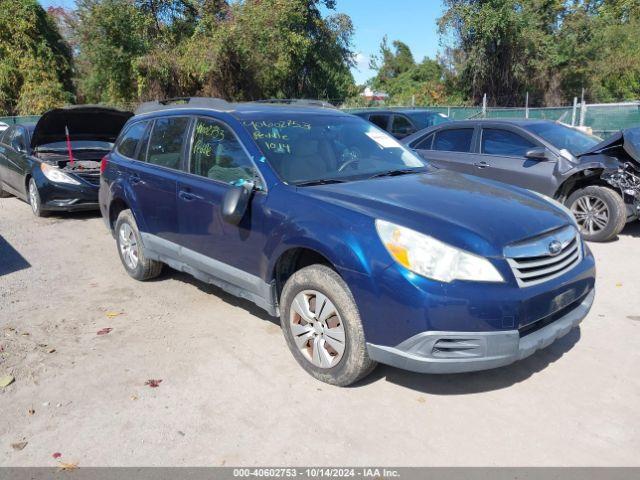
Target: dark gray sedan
599, 181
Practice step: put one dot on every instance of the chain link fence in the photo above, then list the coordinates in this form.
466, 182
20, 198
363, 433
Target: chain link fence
602, 119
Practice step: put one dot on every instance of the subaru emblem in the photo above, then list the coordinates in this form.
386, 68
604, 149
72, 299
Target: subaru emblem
555, 247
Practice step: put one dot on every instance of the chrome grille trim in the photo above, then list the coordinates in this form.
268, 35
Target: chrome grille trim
532, 263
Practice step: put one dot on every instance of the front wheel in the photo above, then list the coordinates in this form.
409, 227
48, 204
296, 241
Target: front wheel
34, 199
131, 249
599, 211
322, 326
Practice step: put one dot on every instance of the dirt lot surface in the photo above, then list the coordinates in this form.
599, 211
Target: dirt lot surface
231, 393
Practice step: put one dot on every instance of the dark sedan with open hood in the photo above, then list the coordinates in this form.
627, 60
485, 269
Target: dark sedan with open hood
55, 164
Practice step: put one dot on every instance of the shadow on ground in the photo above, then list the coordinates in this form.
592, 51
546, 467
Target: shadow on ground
10, 259
250, 307
476, 382
631, 230
454, 384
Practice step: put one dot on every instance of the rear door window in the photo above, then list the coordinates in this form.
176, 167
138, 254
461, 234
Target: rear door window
503, 142
129, 142
167, 141
401, 125
217, 154
453, 140
381, 121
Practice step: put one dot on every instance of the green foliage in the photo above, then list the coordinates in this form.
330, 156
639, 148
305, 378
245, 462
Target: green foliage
111, 35
549, 48
133, 50
406, 81
35, 62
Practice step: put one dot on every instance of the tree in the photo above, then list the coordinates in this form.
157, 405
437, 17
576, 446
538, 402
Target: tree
273, 48
111, 35
391, 63
131, 50
549, 48
35, 62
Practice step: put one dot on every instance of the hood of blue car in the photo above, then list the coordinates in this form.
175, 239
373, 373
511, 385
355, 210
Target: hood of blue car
478, 215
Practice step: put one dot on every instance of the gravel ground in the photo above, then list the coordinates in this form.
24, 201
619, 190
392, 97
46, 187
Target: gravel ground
231, 393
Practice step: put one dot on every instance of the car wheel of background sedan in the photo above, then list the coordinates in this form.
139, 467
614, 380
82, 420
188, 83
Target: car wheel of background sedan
322, 327
131, 250
34, 199
600, 212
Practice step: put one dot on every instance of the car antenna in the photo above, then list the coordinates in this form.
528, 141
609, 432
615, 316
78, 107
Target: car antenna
66, 132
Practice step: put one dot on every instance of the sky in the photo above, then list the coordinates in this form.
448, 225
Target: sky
411, 21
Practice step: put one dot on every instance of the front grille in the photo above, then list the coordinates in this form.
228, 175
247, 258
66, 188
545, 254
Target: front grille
533, 263
92, 178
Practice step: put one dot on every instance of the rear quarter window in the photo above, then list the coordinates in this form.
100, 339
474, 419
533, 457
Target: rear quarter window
128, 143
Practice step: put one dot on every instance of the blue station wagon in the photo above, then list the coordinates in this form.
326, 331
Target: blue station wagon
365, 252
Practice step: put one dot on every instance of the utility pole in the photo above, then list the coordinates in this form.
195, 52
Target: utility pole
484, 106
526, 106
575, 110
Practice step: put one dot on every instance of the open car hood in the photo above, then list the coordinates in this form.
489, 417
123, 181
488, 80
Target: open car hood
628, 139
86, 122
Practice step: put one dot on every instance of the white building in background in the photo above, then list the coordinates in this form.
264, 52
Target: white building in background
372, 95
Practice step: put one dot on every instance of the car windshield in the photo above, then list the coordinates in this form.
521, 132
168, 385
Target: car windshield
303, 148
427, 119
75, 145
563, 137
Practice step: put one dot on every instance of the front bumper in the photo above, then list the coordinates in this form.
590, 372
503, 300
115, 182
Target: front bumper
66, 197
455, 352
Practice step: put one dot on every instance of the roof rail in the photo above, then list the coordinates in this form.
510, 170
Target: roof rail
183, 102
298, 101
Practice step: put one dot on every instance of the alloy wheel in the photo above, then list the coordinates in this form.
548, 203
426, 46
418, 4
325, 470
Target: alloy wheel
128, 246
317, 329
591, 213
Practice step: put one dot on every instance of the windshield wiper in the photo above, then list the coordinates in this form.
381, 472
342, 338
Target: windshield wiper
323, 181
396, 172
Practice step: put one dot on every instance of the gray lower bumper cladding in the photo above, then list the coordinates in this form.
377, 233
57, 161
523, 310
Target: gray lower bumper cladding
456, 352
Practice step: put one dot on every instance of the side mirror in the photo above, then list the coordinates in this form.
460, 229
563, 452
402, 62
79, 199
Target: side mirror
235, 203
19, 147
539, 153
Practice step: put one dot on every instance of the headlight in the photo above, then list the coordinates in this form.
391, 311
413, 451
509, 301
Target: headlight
55, 175
432, 258
559, 205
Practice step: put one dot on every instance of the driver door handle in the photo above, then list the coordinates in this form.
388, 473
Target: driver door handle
188, 196
482, 164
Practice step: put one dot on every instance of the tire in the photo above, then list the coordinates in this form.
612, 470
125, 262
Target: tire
599, 211
34, 199
307, 287
131, 250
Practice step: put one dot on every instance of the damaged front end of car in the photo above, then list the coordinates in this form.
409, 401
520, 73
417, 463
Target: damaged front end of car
622, 167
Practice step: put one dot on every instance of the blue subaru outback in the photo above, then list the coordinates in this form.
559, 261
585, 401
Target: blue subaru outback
366, 253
